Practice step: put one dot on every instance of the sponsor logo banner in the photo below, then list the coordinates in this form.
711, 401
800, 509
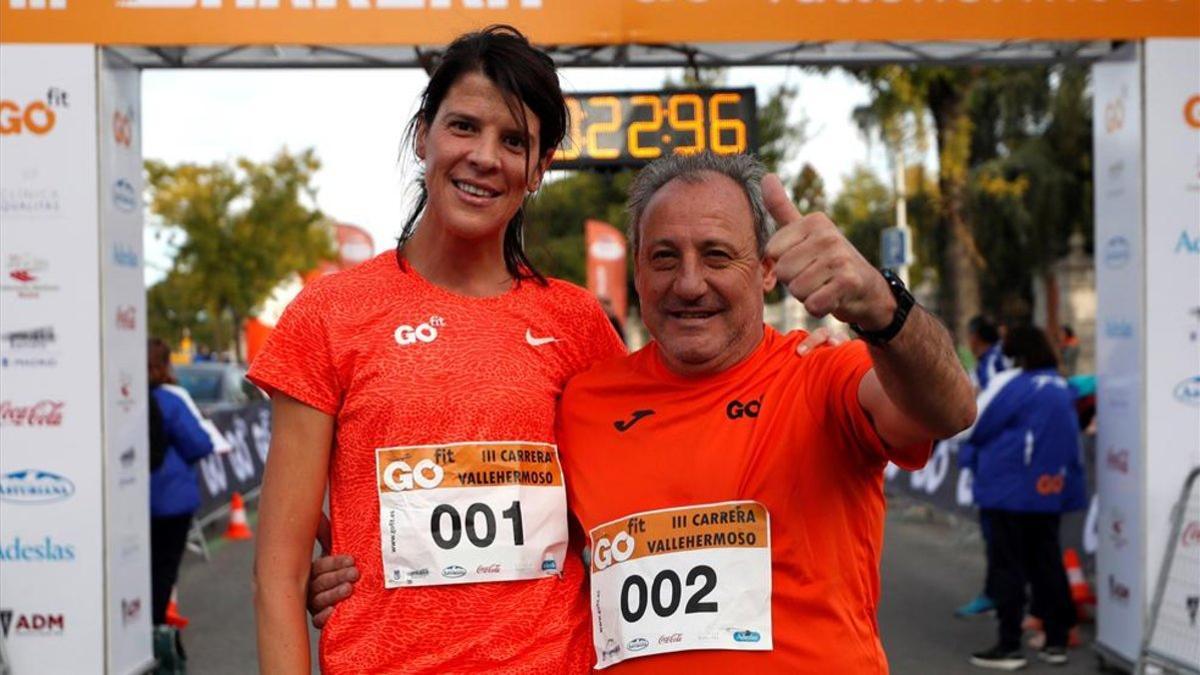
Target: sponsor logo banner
35, 486
16, 624
44, 413
47, 549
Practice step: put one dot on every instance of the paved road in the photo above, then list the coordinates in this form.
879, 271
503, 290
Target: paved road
929, 567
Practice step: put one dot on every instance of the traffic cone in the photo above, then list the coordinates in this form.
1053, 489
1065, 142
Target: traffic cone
174, 618
1081, 592
238, 528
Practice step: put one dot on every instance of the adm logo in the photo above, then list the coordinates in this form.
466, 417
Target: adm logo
34, 486
12, 623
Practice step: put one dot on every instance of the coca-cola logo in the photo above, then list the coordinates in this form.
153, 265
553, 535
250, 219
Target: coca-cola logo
494, 568
44, 413
127, 317
670, 638
1191, 534
1117, 460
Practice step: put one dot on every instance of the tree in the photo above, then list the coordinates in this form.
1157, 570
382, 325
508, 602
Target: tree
808, 190
1034, 190
902, 98
242, 230
863, 210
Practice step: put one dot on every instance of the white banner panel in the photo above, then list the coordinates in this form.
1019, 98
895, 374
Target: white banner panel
1121, 578
51, 523
1172, 88
123, 327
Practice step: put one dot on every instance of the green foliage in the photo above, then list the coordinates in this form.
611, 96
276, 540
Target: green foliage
554, 219
863, 209
808, 191
1034, 190
241, 230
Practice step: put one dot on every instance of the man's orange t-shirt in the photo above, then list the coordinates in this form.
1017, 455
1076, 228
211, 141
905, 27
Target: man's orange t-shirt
466, 369
808, 453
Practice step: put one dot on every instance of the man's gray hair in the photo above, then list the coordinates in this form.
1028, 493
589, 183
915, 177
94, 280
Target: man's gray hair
744, 170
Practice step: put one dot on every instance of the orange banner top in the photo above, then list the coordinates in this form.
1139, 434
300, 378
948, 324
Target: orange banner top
593, 22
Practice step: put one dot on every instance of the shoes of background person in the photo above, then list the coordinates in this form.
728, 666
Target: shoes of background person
1000, 658
1055, 656
980, 605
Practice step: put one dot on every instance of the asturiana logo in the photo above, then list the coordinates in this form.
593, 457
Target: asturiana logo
124, 196
34, 486
1188, 391
1117, 329
46, 550
1117, 252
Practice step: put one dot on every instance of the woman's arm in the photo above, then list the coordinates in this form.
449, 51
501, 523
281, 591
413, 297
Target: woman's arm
289, 508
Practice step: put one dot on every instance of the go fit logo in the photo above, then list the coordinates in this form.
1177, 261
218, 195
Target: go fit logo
427, 332
36, 117
1191, 111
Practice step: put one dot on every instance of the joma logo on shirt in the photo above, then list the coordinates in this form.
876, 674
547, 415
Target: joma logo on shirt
426, 332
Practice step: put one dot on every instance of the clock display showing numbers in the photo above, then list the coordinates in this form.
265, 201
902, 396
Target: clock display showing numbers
633, 128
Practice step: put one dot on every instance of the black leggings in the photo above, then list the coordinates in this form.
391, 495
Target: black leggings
1023, 549
168, 537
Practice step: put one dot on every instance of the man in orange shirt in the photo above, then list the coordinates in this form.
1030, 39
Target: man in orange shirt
732, 494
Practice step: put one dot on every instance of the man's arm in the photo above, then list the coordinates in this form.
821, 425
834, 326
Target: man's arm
917, 390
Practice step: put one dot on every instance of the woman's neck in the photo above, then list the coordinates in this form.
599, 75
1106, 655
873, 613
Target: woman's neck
473, 267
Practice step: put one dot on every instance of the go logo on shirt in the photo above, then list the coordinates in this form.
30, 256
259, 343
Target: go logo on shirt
399, 476
427, 332
619, 549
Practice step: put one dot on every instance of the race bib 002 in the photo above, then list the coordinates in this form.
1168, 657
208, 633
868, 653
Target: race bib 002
697, 577
470, 512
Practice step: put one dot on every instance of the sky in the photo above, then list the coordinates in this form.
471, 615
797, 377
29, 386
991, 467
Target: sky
354, 119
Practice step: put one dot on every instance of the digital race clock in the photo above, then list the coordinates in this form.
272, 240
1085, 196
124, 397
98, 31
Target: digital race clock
633, 128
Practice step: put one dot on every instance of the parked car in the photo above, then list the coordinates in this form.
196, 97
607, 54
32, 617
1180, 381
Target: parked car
218, 386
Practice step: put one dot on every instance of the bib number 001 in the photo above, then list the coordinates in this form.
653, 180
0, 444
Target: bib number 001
474, 513
470, 513
633, 609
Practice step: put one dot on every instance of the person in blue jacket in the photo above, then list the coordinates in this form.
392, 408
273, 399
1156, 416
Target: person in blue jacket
177, 442
1025, 454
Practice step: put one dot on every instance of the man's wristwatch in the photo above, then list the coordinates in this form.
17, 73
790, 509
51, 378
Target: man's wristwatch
904, 305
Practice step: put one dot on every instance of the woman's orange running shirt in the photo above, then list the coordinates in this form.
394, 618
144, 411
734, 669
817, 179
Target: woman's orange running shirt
397, 361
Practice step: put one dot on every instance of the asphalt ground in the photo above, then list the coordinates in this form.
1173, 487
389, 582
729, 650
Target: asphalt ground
931, 564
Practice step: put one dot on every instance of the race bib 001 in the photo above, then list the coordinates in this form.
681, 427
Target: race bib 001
470, 512
697, 577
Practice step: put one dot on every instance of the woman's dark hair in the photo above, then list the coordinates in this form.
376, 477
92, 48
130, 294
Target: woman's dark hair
526, 76
984, 329
158, 358
1028, 347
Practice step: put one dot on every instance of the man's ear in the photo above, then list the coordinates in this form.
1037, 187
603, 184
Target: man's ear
543, 165
422, 132
769, 279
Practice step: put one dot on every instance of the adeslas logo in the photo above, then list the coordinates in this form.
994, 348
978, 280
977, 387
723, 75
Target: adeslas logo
46, 550
34, 486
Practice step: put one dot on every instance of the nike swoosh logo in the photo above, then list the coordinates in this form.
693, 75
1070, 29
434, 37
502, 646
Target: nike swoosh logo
538, 341
624, 425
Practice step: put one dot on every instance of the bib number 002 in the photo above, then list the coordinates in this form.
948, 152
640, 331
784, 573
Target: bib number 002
680, 579
635, 596
475, 512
